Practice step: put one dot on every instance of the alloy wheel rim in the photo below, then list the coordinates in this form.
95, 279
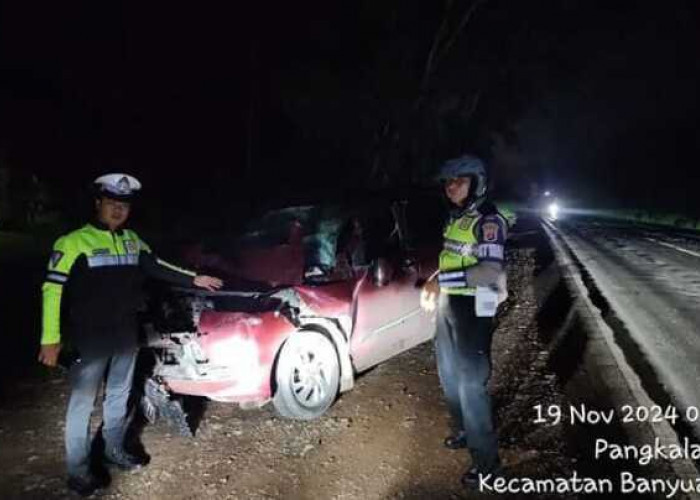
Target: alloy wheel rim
310, 378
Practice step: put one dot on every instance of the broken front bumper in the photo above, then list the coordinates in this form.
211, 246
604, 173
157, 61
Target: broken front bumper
231, 373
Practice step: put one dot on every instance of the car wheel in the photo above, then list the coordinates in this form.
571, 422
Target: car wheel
307, 376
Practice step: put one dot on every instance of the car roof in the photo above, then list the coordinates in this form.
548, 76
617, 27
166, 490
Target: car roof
342, 197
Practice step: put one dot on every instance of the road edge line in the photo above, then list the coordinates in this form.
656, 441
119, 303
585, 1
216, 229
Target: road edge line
630, 383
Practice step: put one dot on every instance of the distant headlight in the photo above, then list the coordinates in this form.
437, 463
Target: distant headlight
553, 211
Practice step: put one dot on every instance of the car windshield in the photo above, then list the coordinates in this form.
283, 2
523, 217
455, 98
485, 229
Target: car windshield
317, 226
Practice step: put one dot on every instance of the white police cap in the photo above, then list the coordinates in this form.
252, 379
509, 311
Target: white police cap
117, 186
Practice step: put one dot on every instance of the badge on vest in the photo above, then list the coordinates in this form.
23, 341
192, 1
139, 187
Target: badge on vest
130, 246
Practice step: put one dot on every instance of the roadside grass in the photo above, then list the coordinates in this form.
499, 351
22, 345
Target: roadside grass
683, 222
675, 220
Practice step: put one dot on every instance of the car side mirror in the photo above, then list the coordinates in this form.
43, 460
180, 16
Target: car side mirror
382, 272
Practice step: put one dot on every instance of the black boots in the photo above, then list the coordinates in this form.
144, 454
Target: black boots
84, 485
123, 460
470, 479
456, 442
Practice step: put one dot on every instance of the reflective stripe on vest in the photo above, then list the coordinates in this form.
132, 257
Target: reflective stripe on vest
113, 260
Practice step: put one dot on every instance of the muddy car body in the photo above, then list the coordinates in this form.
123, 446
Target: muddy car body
348, 299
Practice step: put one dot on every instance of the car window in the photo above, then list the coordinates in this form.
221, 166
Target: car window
273, 227
321, 238
382, 231
317, 225
352, 242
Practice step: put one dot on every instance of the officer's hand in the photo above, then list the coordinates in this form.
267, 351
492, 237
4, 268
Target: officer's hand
48, 354
428, 296
208, 282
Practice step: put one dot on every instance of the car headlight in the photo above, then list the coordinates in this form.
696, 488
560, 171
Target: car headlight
553, 211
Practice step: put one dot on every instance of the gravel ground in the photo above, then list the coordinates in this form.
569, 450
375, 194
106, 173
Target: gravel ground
383, 439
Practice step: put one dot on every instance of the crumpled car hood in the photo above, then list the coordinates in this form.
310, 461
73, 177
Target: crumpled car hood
272, 266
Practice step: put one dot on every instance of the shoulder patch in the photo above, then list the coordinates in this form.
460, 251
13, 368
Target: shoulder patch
55, 258
490, 231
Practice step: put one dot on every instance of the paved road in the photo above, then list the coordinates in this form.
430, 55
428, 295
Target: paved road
651, 280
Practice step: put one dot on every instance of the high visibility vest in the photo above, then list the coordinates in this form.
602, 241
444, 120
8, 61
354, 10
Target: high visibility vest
459, 251
104, 271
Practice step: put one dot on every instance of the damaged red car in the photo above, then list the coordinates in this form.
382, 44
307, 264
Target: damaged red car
314, 296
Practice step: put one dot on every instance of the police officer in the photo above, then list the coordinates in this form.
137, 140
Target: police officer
94, 276
466, 290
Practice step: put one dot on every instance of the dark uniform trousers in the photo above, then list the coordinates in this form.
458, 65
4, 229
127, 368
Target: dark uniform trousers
86, 377
463, 349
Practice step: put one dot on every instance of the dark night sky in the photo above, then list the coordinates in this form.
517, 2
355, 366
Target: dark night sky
596, 96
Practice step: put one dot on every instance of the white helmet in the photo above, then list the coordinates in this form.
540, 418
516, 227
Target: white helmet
117, 186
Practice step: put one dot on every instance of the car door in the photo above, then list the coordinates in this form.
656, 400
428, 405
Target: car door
424, 217
387, 315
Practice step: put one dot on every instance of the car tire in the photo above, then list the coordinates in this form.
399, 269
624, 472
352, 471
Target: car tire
307, 376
